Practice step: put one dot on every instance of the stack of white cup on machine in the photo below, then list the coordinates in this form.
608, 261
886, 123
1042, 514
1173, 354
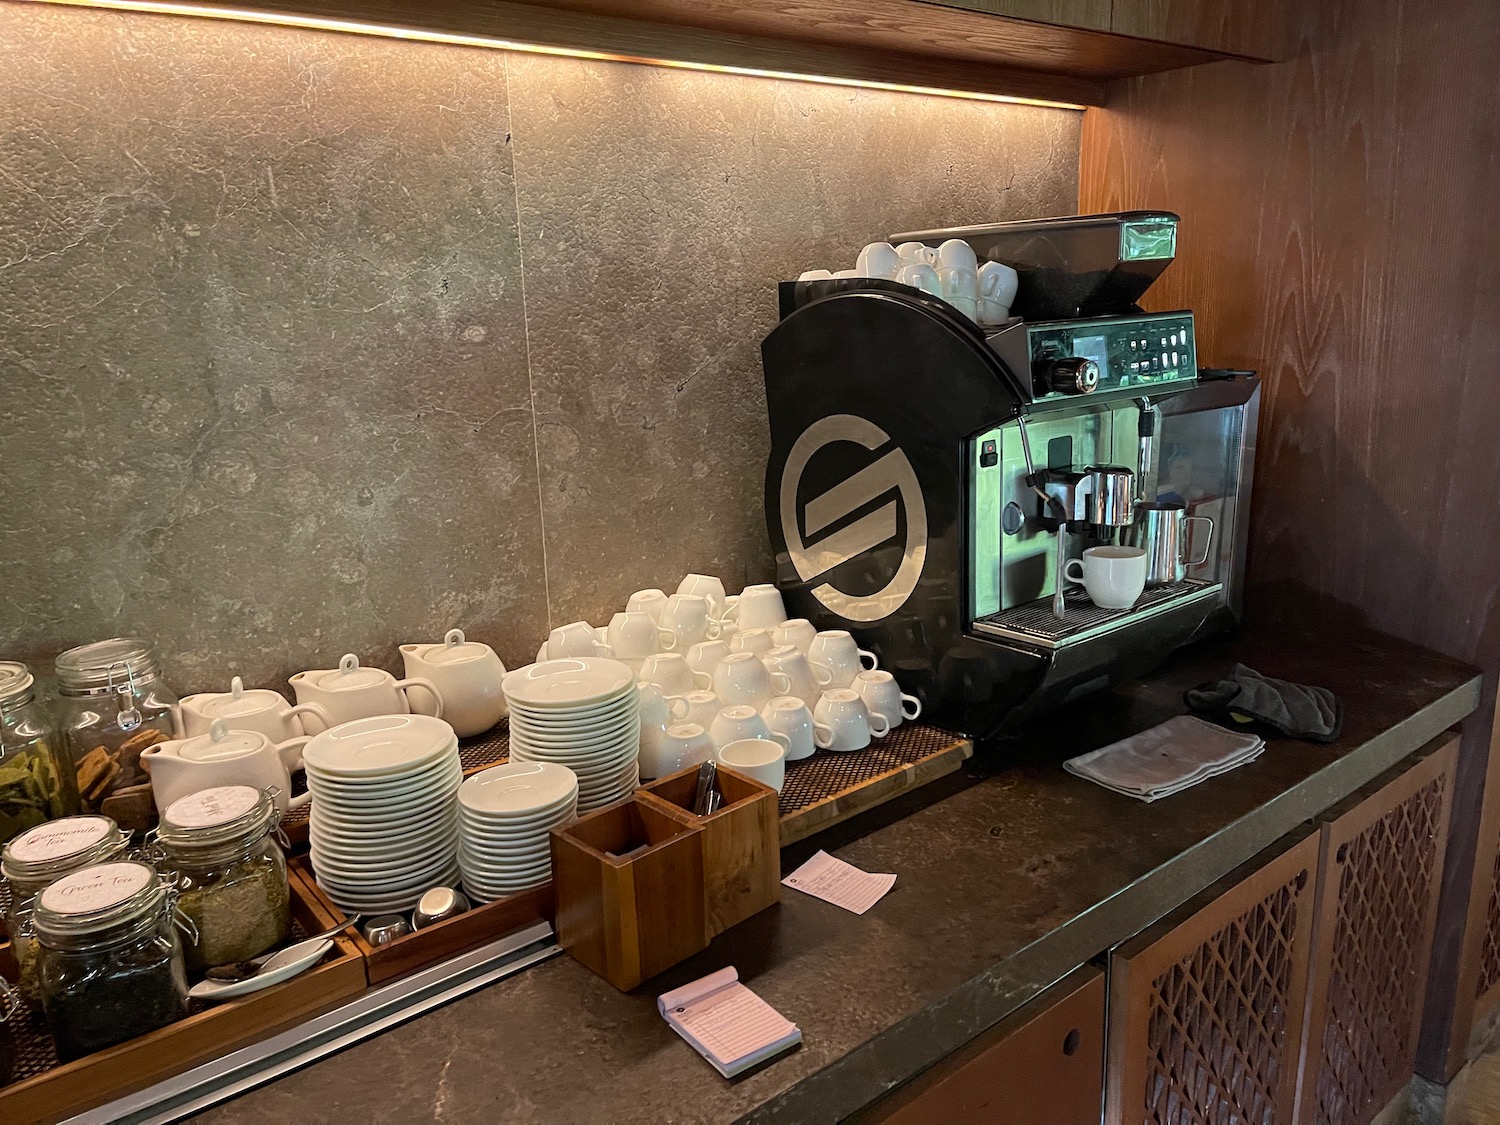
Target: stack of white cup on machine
731, 677
983, 293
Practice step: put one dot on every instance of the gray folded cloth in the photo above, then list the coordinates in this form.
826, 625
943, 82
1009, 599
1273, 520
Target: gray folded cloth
1166, 759
1296, 710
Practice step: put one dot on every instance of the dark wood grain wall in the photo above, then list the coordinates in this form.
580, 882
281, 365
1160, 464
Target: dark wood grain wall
1341, 234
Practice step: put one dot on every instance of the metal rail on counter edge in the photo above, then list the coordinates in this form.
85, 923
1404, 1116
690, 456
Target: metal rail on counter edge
368, 1014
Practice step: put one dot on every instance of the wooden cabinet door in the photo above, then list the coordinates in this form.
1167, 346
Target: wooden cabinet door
1043, 1065
1381, 869
1261, 30
1206, 1007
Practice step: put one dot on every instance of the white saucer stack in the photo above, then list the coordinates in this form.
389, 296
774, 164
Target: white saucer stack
505, 814
583, 713
384, 818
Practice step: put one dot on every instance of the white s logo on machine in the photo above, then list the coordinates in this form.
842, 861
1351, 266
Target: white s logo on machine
890, 473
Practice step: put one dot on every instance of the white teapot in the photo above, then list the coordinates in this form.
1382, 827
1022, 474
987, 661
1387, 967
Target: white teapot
259, 709
350, 692
224, 757
467, 674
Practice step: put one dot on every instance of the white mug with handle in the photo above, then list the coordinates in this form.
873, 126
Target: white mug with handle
1113, 576
883, 696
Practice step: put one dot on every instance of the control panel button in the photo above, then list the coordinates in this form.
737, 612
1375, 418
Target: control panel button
989, 455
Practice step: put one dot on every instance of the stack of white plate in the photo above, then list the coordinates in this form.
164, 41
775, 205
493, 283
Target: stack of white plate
505, 814
384, 819
582, 713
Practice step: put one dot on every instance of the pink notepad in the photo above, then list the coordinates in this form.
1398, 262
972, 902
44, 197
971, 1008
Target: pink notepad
726, 1023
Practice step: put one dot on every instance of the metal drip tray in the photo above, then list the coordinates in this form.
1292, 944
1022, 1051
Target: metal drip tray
1034, 623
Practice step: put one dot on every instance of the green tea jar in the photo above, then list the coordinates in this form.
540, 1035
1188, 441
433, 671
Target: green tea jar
36, 859
108, 963
220, 845
34, 785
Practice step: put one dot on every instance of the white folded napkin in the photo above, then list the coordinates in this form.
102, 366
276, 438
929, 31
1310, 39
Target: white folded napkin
1167, 758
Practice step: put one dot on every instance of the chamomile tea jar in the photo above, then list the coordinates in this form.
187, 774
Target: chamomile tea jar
35, 860
109, 963
220, 845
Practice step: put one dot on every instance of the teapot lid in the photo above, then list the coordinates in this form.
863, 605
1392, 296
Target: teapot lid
454, 649
220, 743
348, 676
238, 701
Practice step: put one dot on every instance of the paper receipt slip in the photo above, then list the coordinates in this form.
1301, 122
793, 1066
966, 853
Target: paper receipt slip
840, 883
726, 1023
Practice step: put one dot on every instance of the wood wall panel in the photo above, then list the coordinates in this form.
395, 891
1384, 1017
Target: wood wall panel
1341, 234
1255, 30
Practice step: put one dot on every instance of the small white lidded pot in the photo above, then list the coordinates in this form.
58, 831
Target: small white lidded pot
350, 692
467, 675
257, 709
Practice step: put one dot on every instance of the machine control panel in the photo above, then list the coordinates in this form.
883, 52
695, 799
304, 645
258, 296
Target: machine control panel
1140, 355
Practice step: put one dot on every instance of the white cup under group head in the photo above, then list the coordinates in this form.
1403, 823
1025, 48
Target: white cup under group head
1113, 576
844, 712
789, 716
836, 659
763, 759
883, 696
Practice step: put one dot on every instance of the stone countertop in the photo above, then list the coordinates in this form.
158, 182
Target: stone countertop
1011, 873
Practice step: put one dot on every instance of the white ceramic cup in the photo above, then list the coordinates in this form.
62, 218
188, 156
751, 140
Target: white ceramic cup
883, 696
737, 722
685, 620
955, 254
650, 602
1113, 576
757, 607
742, 678
921, 277
468, 675
656, 717
757, 641
836, 659
799, 631
878, 259
682, 745
960, 289
259, 709
699, 707
763, 759
917, 253
789, 716
845, 713
704, 656
350, 692
577, 638
997, 289
632, 635
792, 663
709, 588
815, 275
670, 672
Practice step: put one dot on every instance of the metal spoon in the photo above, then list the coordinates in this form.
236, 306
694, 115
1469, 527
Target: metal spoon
236, 971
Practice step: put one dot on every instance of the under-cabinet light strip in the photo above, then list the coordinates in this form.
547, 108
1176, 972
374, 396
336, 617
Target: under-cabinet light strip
356, 27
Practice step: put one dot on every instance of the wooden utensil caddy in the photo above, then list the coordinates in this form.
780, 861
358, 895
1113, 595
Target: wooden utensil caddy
46, 1090
643, 884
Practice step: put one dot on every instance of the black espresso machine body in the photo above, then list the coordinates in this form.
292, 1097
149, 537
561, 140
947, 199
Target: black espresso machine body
893, 496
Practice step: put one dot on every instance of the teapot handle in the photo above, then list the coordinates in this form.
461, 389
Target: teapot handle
428, 685
290, 751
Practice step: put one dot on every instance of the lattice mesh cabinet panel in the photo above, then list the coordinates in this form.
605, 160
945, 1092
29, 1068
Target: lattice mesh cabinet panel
1382, 865
1208, 1004
1489, 965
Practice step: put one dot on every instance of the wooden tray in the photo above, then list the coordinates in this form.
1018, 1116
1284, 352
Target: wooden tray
484, 923
45, 1090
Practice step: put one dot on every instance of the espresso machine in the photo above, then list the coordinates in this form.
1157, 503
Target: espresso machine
930, 480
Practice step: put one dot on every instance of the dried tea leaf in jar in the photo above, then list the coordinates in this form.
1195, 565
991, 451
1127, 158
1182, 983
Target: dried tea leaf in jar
35, 860
109, 962
231, 873
34, 786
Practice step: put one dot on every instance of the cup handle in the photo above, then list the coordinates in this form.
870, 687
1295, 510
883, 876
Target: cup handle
822, 736
418, 681
866, 654
1207, 543
731, 608
704, 681
293, 762
914, 710
785, 682
677, 706
1068, 570
880, 726
299, 801
667, 639
784, 741
603, 648
315, 709
714, 629
822, 674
